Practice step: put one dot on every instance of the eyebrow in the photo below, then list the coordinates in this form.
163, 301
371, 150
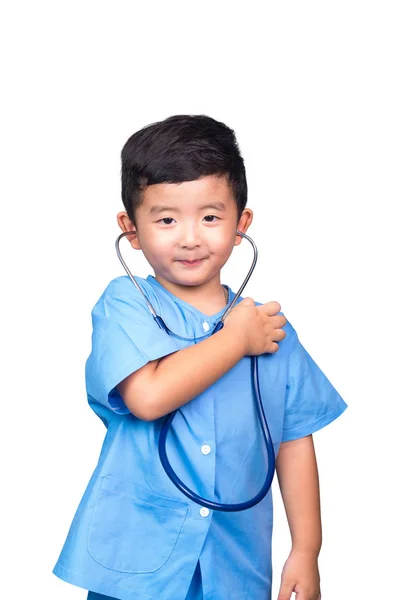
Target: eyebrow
156, 209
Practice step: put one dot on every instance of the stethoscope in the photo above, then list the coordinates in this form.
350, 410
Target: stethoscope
256, 390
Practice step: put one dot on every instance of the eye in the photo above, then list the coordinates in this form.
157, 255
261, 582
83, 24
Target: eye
163, 221
210, 218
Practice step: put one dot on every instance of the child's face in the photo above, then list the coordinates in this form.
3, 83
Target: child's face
192, 221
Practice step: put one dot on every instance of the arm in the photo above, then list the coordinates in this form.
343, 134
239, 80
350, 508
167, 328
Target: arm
297, 472
164, 385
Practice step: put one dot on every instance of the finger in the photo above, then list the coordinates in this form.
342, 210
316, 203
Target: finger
271, 308
278, 335
274, 348
303, 595
278, 321
282, 320
285, 591
247, 302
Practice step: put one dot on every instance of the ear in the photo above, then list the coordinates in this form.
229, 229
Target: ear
126, 224
243, 224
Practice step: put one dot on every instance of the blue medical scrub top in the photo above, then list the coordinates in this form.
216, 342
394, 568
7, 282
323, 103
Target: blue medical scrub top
135, 536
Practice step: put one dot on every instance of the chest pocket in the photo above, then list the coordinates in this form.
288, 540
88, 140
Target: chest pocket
132, 530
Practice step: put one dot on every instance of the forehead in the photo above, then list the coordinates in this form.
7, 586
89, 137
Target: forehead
209, 190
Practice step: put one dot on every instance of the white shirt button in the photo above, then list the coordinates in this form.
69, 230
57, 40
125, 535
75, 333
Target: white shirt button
204, 512
206, 326
205, 449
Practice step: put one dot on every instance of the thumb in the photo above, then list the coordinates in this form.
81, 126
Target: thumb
247, 302
285, 591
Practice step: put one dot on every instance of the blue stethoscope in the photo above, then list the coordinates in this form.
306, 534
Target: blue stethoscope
256, 390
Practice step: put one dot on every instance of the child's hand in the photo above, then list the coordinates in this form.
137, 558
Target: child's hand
300, 576
259, 326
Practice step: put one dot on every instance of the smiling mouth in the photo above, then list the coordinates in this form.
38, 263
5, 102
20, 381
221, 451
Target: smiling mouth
191, 262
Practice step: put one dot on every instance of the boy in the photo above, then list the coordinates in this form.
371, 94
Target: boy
135, 536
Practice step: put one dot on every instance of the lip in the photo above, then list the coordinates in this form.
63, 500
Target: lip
191, 263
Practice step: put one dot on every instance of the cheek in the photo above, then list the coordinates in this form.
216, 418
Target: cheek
155, 244
223, 242
162, 246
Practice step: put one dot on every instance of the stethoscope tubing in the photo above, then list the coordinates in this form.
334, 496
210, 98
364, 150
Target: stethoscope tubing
162, 441
268, 443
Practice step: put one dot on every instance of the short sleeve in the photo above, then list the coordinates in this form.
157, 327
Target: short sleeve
311, 400
124, 338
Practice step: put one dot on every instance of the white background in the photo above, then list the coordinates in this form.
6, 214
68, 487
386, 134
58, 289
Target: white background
312, 91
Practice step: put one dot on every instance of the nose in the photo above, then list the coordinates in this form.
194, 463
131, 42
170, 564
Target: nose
190, 236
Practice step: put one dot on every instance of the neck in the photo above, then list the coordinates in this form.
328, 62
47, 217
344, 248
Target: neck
208, 298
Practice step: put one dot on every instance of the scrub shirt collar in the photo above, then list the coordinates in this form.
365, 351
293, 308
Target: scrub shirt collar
210, 318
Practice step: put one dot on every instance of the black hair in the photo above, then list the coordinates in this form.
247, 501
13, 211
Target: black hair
181, 148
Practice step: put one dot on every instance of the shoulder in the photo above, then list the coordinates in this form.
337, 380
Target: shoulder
121, 290
291, 340
123, 286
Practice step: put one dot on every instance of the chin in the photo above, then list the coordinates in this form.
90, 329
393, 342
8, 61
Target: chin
188, 281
